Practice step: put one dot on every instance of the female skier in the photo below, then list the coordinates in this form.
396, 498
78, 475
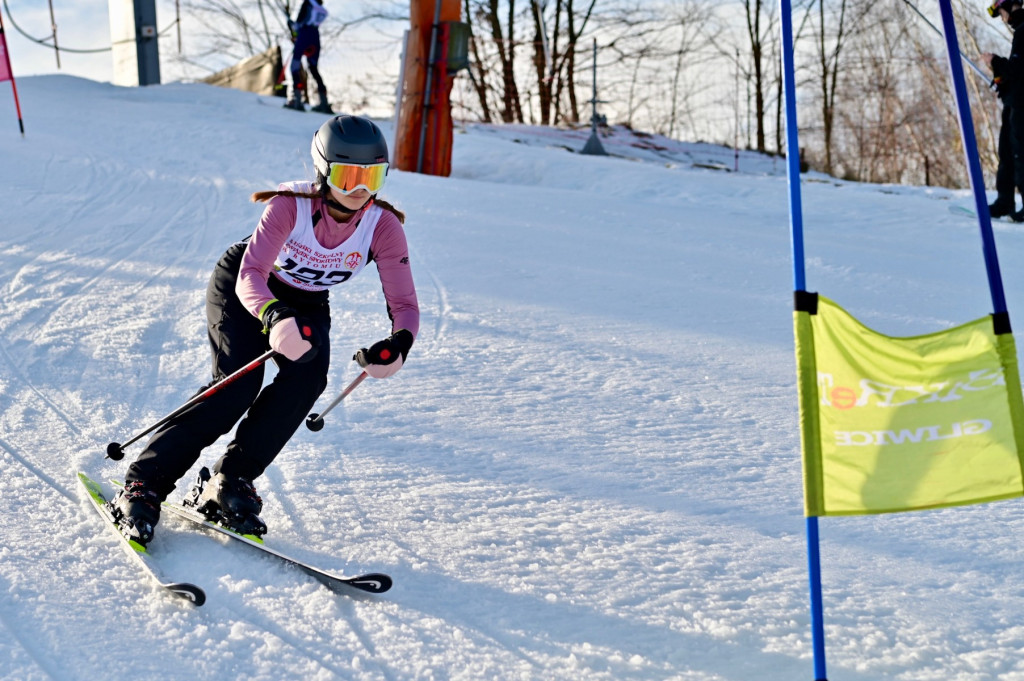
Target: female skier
306, 43
270, 291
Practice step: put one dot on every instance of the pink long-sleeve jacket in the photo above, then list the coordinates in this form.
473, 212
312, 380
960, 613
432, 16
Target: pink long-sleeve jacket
388, 249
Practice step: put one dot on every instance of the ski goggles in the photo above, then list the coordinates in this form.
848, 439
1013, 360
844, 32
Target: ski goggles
346, 177
993, 9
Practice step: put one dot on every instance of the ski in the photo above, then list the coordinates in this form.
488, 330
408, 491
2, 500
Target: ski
969, 212
274, 101
139, 553
373, 582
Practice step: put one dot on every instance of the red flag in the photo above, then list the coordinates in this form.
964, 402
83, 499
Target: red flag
7, 74
5, 64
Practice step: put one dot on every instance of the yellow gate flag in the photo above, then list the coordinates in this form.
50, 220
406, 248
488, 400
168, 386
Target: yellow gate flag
900, 424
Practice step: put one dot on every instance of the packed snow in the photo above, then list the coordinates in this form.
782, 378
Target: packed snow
589, 467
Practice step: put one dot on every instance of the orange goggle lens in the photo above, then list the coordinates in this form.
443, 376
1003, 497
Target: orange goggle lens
347, 178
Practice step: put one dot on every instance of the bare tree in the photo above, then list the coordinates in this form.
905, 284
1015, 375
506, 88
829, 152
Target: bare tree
477, 68
756, 13
545, 53
565, 68
652, 57
638, 48
511, 109
498, 77
556, 36
828, 54
876, 118
692, 25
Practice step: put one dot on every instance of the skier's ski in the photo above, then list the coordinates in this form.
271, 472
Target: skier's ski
137, 551
373, 582
969, 212
273, 102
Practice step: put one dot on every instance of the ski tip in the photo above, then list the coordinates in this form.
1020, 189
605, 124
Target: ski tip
189, 592
92, 487
374, 582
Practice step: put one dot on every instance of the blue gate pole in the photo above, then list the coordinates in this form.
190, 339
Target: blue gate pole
796, 218
800, 284
963, 105
817, 609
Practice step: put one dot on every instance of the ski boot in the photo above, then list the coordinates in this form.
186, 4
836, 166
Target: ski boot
136, 510
324, 107
295, 102
1001, 208
230, 502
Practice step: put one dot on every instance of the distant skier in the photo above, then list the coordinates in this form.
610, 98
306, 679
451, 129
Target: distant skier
270, 290
306, 38
1008, 76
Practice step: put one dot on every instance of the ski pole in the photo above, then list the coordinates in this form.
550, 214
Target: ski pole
115, 450
935, 28
315, 422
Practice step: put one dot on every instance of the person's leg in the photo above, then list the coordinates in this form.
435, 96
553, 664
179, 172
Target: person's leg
1016, 127
279, 410
295, 101
313, 59
236, 338
1005, 180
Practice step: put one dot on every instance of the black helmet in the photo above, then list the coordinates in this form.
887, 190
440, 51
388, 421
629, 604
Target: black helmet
993, 9
347, 139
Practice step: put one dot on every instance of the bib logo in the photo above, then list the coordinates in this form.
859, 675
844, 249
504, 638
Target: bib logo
353, 259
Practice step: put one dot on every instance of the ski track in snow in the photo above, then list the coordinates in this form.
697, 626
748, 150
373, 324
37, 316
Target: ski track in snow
439, 309
589, 468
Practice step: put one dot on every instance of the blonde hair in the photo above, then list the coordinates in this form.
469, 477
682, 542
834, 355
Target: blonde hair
261, 197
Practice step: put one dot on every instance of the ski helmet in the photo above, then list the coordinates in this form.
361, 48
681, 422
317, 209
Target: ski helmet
347, 139
993, 9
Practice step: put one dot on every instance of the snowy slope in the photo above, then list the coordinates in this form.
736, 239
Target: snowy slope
588, 469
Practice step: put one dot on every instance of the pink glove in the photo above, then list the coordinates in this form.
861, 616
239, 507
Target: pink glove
384, 358
383, 370
287, 338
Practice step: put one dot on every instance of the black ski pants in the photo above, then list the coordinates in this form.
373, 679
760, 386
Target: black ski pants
1010, 171
269, 415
